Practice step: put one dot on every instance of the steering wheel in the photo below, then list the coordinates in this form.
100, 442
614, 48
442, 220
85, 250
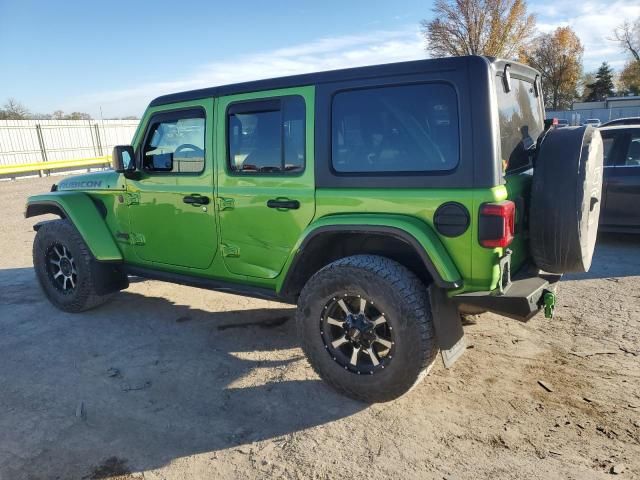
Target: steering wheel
187, 146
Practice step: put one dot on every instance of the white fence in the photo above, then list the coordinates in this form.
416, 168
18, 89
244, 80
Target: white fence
32, 141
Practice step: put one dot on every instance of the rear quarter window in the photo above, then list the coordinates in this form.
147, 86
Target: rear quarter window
521, 121
410, 128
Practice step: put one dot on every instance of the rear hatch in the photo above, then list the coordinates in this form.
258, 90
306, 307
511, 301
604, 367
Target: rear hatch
521, 121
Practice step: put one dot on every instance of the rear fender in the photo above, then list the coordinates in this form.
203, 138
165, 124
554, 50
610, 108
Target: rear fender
80, 210
410, 229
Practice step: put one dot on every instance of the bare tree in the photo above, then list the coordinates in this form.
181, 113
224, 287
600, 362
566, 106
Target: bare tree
497, 28
60, 115
14, 110
628, 37
78, 116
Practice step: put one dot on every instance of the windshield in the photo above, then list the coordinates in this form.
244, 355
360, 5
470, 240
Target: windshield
521, 121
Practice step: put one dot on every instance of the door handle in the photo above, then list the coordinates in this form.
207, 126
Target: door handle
195, 199
283, 203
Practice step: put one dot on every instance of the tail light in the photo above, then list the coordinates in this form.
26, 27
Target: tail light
497, 224
550, 122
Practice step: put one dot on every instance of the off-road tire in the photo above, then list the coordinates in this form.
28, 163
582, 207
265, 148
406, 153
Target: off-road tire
405, 301
85, 294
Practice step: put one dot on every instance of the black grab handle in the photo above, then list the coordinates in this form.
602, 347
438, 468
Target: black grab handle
283, 204
196, 200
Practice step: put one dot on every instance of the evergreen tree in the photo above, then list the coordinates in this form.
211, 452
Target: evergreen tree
603, 86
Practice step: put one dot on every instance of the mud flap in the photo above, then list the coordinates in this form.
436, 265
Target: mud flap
448, 326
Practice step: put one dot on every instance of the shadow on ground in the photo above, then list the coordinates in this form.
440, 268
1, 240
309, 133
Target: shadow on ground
145, 380
616, 255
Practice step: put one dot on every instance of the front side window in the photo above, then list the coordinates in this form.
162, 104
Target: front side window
411, 128
267, 136
521, 121
175, 144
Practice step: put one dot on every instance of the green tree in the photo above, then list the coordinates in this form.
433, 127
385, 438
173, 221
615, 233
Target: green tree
497, 28
603, 86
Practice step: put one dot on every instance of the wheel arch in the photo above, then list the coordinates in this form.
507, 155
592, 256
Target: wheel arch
407, 240
82, 212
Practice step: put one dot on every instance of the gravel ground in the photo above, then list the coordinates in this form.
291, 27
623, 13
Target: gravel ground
172, 382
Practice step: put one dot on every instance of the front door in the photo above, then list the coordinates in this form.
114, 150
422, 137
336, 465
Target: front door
171, 210
266, 193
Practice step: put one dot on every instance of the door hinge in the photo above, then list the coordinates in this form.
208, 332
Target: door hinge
225, 203
136, 239
132, 198
230, 250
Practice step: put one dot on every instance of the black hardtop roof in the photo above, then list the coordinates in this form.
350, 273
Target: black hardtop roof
374, 71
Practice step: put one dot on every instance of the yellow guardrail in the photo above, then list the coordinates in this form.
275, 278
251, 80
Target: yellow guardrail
54, 165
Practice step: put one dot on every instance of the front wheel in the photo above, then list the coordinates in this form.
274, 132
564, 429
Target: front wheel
67, 272
366, 328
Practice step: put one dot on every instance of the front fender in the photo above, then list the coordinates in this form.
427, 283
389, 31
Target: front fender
79, 209
410, 229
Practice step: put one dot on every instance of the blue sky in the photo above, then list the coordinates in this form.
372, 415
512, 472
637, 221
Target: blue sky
117, 55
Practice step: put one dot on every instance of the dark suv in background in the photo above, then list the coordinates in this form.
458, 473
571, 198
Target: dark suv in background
621, 191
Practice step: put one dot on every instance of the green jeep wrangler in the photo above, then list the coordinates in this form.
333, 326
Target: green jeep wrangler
384, 201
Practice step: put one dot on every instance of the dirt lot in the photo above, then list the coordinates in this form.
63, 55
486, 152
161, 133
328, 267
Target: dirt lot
173, 382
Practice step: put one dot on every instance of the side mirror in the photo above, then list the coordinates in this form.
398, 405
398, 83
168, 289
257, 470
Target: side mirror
123, 159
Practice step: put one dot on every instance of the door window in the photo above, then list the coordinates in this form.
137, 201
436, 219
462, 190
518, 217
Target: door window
267, 136
175, 143
607, 144
632, 158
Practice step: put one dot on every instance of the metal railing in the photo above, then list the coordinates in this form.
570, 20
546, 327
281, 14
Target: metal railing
42, 146
578, 117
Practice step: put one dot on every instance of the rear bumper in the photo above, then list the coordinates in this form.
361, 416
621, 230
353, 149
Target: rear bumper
521, 299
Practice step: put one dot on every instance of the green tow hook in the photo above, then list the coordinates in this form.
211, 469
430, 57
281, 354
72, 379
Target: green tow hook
549, 300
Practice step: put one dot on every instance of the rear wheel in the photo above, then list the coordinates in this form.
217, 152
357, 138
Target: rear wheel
65, 268
366, 328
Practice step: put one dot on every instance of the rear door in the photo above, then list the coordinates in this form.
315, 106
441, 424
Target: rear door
265, 175
623, 182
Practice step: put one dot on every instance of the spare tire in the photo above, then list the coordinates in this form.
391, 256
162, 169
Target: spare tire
565, 199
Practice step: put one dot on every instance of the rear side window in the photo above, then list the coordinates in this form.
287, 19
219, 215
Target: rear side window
411, 128
267, 136
621, 147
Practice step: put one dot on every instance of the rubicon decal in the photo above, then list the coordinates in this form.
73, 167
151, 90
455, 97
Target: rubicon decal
77, 184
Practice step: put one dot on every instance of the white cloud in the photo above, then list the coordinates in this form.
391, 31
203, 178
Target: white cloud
593, 22
321, 55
